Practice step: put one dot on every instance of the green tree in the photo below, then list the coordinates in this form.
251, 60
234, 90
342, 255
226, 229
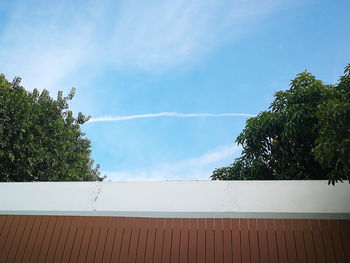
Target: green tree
305, 134
40, 140
332, 149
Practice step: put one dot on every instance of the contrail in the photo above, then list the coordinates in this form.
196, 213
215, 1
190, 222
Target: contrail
168, 114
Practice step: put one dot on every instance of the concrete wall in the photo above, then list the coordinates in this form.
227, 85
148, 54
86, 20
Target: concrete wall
237, 198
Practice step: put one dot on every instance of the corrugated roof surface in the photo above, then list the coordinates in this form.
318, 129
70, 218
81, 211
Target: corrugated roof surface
126, 239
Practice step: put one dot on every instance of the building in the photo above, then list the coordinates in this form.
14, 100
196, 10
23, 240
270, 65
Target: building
175, 221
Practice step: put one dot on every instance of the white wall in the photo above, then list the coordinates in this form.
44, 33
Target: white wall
178, 196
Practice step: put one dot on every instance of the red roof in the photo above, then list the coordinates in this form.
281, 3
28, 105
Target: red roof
26, 238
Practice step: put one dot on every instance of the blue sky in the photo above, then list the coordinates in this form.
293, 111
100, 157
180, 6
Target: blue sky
130, 58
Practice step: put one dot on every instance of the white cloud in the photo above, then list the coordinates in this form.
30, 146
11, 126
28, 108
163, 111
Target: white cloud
49, 42
197, 168
168, 114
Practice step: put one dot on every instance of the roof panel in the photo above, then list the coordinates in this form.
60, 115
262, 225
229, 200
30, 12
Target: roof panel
127, 239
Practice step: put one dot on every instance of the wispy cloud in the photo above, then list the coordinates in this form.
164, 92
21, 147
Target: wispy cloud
197, 168
49, 43
168, 114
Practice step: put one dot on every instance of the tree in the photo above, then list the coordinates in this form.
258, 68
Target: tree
40, 140
333, 144
305, 134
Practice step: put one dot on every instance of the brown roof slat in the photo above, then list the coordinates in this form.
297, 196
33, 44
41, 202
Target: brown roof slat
71, 235
305, 252
327, 240
175, 242
95, 237
62, 239
24, 240
10, 248
34, 235
151, 239
78, 240
281, 241
210, 241
41, 247
166, 253
201, 251
85, 242
262, 239
290, 242
236, 240
3, 219
6, 231
185, 226
337, 242
227, 239
253, 240
124, 239
135, 234
308, 239
125, 245
142, 241
219, 246
51, 249
192, 240
245, 246
318, 242
271, 240
102, 237
344, 227
158, 248
114, 240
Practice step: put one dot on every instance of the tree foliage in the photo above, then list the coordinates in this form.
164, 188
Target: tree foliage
40, 140
305, 134
333, 144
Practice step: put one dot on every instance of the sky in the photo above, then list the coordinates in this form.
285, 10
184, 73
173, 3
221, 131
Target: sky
169, 84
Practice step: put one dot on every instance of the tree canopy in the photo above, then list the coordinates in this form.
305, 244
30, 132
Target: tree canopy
305, 134
40, 140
